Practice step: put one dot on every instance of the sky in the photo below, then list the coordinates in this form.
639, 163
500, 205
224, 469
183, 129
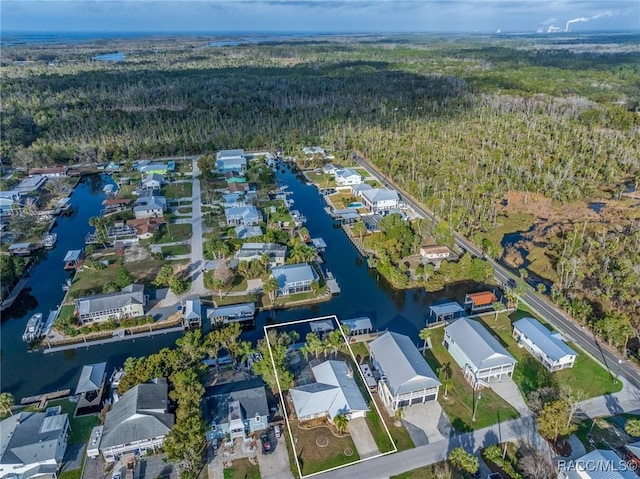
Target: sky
330, 16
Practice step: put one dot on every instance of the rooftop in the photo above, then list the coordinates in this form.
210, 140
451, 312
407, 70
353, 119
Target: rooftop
250, 396
132, 294
294, 273
482, 298
30, 437
380, 194
91, 378
544, 339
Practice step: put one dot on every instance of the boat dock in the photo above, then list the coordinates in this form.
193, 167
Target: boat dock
50, 320
332, 284
42, 399
17, 289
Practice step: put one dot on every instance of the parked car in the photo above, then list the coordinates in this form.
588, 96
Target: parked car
494, 475
116, 475
266, 443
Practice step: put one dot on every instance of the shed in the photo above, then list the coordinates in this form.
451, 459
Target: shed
445, 311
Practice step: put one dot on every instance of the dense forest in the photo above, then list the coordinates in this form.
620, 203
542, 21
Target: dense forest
463, 123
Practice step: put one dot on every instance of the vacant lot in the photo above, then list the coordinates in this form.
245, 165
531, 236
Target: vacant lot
172, 233
177, 190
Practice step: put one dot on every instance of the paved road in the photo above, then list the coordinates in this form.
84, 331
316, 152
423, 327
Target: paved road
611, 359
197, 259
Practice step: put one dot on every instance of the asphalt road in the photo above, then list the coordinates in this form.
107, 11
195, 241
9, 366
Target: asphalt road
612, 360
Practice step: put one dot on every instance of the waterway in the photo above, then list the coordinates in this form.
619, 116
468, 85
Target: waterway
363, 294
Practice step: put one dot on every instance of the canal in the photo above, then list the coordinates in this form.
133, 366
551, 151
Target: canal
363, 294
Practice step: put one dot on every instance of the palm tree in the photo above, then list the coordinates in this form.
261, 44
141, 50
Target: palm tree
398, 415
359, 229
445, 376
218, 285
217, 248
499, 307
425, 334
314, 344
341, 420
6, 403
315, 286
270, 286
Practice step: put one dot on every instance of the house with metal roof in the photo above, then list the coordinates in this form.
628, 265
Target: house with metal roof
379, 200
231, 160
445, 310
598, 464
11, 202
150, 206
237, 408
128, 303
138, 422
358, 325
405, 376
480, 302
90, 388
358, 188
154, 168
231, 314
49, 171
333, 392
478, 353
254, 251
294, 278
243, 215
544, 345
322, 326
31, 184
348, 177
244, 232
314, 150
434, 253
192, 312
230, 200
153, 182
32, 444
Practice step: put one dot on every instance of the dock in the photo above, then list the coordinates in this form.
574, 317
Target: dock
42, 399
332, 284
15, 292
50, 320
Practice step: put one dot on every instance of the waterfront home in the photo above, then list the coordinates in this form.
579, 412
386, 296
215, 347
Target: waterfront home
113, 205
138, 422
597, 464
128, 303
73, 259
235, 410
154, 168
31, 184
230, 200
544, 345
152, 182
333, 392
90, 387
11, 202
33, 443
348, 177
243, 215
358, 326
294, 278
244, 232
445, 310
480, 302
380, 200
478, 353
234, 177
314, 150
20, 249
358, 188
152, 206
254, 251
405, 376
238, 187
434, 253
231, 160
192, 312
319, 244
322, 326
50, 171
331, 169
233, 313
145, 227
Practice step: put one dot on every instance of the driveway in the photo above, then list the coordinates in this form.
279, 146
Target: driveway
509, 391
276, 464
426, 423
362, 438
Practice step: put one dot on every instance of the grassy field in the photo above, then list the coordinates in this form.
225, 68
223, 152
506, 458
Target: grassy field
440, 470
176, 249
459, 402
508, 223
90, 279
400, 435
242, 469
177, 190
282, 300
185, 209
323, 180
586, 375
172, 233
74, 474
146, 270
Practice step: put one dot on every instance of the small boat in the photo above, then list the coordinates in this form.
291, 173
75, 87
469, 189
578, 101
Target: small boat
49, 240
108, 189
33, 329
67, 285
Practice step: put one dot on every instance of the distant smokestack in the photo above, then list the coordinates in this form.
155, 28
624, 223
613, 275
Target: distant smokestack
575, 20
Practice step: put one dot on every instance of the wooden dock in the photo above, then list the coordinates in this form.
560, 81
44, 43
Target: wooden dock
15, 292
42, 399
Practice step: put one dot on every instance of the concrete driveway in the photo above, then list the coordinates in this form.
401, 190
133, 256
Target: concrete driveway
426, 423
509, 391
276, 464
362, 438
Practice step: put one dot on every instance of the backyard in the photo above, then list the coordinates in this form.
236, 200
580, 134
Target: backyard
177, 190
242, 469
323, 180
90, 280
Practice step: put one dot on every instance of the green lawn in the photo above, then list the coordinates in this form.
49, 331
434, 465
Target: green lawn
283, 300
360, 351
530, 375
91, 280
177, 249
80, 426
177, 190
172, 233
185, 209
440, 470
459, 402
400, 435
242, 469
74, 474
323, 180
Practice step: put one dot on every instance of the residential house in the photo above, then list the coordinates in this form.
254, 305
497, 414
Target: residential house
445, 310
231, 160
380, 200
50, 171
348, 177
31, 184
434, 253
146, 227
192, 312
128, 303
154, 168
372, 222
294, 278
243, 215
331, 169
231, 200
20, 249
543, 344
32, 444
314, 150
152, 182
478, 353
597, 464
238, 187
334, 392
113, 205
358, 326
233, 313
405, 376
235, 410
254, 251
480, 302
152, 206
138, 422
245, 232
358, 188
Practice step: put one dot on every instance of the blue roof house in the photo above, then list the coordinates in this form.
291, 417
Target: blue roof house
243, 215
294, 278
544, 345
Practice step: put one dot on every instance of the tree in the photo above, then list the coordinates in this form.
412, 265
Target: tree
499, 307
315, 286
359, 229
313, 345
425, 334
632, 427
270, 286
178, 285
341, 420
572, 398
398, 416
57, 186
124, 278
273, 350
218, 285
217, 248
6, 403
464, 461
164, 276
554, 420
536, 465
445, 376
23, 224
206, 164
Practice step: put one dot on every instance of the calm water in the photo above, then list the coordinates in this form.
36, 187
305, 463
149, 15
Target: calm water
110, 57
363, 294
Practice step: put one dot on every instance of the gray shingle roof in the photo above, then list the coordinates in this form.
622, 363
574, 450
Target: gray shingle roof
91, 378
401, 362
30, 437
132, 294
480, 346
139, 414
541, 337
250, 393
246, 213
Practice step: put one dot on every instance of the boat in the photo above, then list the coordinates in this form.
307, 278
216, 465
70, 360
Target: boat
49, 240
108, 189
33, 329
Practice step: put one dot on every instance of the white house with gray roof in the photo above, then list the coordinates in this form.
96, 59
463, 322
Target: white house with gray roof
379, 200
243, 215
348, 177
254, 251
333, 392
231, 160
544, 345
32, 444
357, 189
478, 353
150, 207
405, 376
137, 422
128, 303
294, 278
